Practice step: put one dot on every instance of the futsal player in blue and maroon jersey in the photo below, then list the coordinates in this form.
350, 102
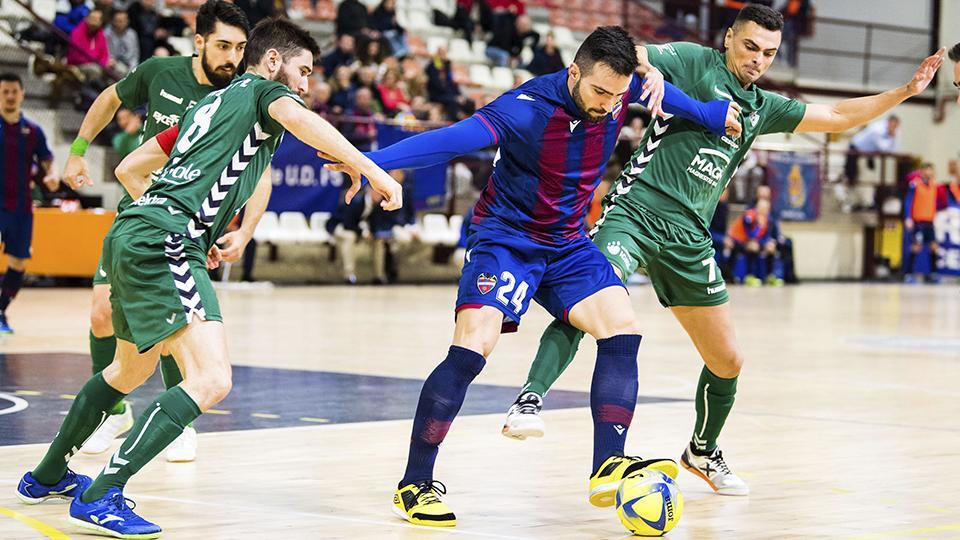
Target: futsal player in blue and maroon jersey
555, 134
22, 147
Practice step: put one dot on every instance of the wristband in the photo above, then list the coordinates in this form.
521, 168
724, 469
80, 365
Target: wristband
79, 147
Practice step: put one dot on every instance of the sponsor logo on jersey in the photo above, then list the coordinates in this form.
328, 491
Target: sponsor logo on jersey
166, 119
718, 288
706, 168
171, 97
730, 142
149, 200
486, 283
181, 174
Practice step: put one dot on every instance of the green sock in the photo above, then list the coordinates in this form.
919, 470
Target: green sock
86, 414
558, 346
161, 423
102, 351
170, 371
715, 396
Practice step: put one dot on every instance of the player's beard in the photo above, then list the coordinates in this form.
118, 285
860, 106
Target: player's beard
220, 76
590, 114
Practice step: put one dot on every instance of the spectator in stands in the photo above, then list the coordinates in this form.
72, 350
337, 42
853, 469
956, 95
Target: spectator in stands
441, 88
920, 209
351, 18
392, 94
68, 20
319, 98
371, 54
750, 236
122, 42
144, 20
880, 136
384, 20
366, 77
507, 43
343, 55
88, 48
953, 187
546, 58
128, 138
257, 10
343, 89
361, 129
414, 78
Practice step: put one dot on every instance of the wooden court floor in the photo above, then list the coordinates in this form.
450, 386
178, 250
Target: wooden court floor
847, 422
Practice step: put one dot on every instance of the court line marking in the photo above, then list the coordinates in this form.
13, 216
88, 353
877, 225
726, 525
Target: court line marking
18, 404
35, 524
396, 523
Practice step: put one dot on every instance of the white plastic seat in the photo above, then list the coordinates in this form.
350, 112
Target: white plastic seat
267, 228
502, 78
460, 51
480, 74
293, 227
453, 234
318, 226
435, 229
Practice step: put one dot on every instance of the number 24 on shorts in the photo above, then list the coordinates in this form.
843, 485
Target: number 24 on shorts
509, 283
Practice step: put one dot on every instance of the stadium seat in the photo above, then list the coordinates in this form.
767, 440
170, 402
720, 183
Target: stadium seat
564, 37
460, 51
480, 75
318, 226
502, 78
456, 222
418, 21
524, 75
293, 228
434, 43
435, 229
480, 52
267, 228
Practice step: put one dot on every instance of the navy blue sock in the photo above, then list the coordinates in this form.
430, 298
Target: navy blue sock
613, 394
12, 281
440, 400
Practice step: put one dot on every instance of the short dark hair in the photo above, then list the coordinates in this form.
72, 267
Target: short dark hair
954, 53
611, 45
11, 77
218, 10
280, 34
764, 16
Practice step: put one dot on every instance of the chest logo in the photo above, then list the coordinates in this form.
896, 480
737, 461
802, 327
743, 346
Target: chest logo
754, 118
171, 97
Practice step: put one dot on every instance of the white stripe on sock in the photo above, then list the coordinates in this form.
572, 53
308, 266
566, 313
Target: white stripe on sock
142, 431
706, 414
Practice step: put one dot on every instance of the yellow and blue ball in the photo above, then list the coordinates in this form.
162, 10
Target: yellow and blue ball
649, 503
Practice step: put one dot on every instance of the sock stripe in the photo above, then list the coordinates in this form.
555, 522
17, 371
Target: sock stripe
706, 411
144, 430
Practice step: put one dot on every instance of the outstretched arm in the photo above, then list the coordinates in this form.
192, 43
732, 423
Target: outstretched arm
435, 146
719, 116
318, 133
851, 113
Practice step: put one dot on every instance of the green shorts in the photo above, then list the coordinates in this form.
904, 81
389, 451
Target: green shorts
159, 282
100, 277
680, 263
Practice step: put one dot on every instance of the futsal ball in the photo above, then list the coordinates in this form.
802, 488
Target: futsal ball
649, 503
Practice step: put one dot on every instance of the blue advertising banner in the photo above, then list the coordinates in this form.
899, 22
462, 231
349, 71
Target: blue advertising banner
301, 184
795, 182
947, 227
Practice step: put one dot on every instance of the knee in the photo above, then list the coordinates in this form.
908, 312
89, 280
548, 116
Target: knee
128, 376
478, 333
728, 365
212, 387
101, 318
16, 264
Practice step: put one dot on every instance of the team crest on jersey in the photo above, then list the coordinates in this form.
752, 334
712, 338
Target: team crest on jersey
755, 118
486, 283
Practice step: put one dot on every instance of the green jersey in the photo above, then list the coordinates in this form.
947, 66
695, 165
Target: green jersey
680, 169
168, 87
225, 143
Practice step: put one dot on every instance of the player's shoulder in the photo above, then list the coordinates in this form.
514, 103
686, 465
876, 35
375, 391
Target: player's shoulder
159, 64
31, 125
540, 94
684, 49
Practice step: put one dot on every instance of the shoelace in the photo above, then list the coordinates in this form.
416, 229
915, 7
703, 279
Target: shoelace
123, 506
429, 490
717, 459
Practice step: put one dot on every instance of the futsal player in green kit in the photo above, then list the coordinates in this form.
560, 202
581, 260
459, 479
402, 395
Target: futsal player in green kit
156, 253
656, 217
168, 86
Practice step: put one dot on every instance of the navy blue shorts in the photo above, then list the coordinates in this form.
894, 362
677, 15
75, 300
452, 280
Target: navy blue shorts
506, 270
16, 232
923, 233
